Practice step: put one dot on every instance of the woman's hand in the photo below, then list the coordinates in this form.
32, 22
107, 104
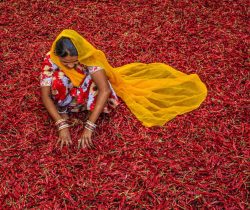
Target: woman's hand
85, 140
64, 137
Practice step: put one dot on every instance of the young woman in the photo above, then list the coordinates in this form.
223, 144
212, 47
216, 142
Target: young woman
76, 76
94, 93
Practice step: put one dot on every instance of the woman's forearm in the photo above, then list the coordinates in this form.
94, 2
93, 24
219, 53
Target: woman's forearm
51, 108
101, 101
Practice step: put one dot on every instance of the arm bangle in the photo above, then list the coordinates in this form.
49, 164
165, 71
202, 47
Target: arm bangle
88, 128
63, 126
91, 124
59, 121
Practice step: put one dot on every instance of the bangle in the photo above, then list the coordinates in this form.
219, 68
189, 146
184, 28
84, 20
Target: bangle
91, 124
66, 125
60, 121
88, 128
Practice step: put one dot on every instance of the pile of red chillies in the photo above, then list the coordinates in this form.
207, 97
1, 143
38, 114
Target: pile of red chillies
196, 161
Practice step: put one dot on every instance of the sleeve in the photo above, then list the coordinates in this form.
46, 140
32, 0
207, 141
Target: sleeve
48, 68
93, 69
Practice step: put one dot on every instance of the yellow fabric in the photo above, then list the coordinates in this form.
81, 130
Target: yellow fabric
155, 93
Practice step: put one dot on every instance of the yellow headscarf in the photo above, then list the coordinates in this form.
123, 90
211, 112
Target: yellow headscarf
155, 93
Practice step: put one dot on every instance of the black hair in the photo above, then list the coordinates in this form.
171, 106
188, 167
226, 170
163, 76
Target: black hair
65, 47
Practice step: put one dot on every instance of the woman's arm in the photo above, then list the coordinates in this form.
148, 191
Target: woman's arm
49, 104
64, 135
104, 91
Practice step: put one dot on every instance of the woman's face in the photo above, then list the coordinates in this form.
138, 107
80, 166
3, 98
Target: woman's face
69, 61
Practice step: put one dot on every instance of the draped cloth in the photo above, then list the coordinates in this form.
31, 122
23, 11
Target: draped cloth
155, 93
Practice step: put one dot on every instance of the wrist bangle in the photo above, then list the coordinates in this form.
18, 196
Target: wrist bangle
91, 124
60, 121
66, 125
90, 129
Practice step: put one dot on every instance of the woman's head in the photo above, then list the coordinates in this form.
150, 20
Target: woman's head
67, 52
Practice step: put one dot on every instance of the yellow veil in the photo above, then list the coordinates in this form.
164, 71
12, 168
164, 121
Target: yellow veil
155, 93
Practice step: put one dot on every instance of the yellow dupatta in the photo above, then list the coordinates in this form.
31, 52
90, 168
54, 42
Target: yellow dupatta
155, 93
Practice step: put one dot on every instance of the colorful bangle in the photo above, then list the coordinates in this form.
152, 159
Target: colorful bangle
60, 121
61, 124
88, 128
66, 125
91, 124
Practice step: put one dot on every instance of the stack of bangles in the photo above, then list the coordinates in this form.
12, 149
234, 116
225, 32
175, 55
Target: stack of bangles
90, 126
61, 124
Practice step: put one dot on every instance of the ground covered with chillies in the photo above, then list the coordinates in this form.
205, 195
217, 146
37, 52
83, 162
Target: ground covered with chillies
196, 161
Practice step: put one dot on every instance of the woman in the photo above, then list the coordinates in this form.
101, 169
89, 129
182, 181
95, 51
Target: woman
76, 76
